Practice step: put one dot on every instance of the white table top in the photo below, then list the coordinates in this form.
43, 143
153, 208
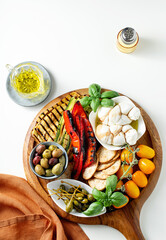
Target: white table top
76, 41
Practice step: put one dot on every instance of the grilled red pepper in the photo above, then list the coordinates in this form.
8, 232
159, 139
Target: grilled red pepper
89, 134
91, 143
70, 129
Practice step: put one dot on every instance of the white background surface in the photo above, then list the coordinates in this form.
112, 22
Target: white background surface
76, 41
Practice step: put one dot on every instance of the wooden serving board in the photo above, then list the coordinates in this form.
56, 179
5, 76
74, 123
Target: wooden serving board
126, 220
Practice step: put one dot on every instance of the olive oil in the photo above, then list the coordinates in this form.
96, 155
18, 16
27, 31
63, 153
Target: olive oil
134, 124
27, 81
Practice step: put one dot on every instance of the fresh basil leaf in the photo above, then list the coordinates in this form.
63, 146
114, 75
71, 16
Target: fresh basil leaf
109, 94
98, 195
118, 199
85, 101
93, 209
105, 102
111, 183
101, 197
94, 90
95, 104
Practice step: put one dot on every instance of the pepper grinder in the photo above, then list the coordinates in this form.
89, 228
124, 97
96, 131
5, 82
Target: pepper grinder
127, 40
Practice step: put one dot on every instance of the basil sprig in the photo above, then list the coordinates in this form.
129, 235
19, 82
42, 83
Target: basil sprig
96, 98
107, 198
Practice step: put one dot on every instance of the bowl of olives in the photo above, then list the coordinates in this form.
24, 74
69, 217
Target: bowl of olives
48, 160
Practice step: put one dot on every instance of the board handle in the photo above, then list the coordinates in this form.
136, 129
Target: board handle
126, 221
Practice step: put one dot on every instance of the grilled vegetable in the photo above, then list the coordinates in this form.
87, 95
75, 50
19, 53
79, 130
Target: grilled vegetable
89, 134
80, 128
61, 129
91, 140
48, 121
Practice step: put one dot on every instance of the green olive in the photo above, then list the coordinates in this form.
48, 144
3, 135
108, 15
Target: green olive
44, 163
39, 170
79, 195
90, 197
57, 169
85, 200
56, 153
52, 147
49, 172
76, 203
46, 153
62, 160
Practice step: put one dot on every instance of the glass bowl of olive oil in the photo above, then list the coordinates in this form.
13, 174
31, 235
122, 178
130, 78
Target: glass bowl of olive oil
27, 80
28, 83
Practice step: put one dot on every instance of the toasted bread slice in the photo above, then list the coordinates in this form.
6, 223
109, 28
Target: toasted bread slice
97, 183
89, 171
113, 169
103, 166
104, 155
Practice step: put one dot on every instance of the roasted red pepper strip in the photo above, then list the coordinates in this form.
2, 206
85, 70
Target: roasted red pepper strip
70, 129
91, 140
81, 157
78, 110
89, 134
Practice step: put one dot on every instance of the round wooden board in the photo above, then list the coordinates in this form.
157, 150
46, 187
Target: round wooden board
126, 220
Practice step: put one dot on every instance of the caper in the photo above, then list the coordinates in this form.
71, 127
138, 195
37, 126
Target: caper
85, 200
90, 197
79, 199
57, 169
71, 190
62, 186
76, 203
79, 195
84, 191
62, 160
66, 201
52, 147
69, 206
49, 172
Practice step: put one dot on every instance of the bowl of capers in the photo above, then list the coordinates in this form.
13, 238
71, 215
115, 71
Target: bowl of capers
48, 160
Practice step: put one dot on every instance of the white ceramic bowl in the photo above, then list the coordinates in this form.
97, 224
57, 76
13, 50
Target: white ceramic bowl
55, 185
141, 125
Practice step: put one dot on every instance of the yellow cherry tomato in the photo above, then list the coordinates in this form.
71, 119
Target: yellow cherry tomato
146, 165
122, 170
119, 185
145, 152
123, 204
126, 155
140, 179
132, 189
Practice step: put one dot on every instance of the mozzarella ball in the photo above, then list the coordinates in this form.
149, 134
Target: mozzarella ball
114, 115
115, 129
103, 112
124, 120
119, 139
125, 128
131, 136
103, 132
134, 114
125, 107
110, 138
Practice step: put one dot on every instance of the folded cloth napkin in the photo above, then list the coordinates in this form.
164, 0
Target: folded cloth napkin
24, 215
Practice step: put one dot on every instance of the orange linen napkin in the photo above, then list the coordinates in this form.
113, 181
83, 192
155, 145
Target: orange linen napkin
24, 215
